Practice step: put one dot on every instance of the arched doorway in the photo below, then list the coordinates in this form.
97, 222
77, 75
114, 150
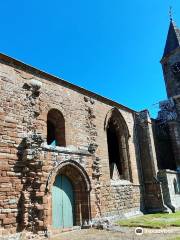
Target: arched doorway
62, 203
70, 192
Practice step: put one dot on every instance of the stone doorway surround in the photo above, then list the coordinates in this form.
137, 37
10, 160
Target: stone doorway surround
81, 188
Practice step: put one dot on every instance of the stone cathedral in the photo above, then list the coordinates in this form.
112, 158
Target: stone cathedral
71, 158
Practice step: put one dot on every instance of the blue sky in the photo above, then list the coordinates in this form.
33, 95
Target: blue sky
111, 47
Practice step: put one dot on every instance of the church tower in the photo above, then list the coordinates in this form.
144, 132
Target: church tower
170, 109
171, 61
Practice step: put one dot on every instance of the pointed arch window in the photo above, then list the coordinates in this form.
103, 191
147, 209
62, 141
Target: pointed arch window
118, 149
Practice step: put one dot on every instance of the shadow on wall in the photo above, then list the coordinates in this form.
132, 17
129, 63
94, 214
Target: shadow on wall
18, 168
29, 168
138, 163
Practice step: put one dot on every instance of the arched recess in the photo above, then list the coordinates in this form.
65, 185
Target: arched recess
81, 189
117, 140
55, 128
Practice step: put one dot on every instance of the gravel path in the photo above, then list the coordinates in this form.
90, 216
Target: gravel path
118, 234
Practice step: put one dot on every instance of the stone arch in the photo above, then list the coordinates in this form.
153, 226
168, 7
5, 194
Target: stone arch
55, 128
81, 187
120, 120
76, 166
118, 147
48, 107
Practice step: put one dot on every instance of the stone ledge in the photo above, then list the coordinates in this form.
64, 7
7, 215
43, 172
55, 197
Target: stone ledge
120, 182
169, 171
176, 97
123, 214
68, 150
9, 210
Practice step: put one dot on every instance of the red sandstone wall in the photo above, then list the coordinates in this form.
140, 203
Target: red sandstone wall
15, 109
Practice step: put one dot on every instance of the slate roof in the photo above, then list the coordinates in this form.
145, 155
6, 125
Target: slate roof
173, 39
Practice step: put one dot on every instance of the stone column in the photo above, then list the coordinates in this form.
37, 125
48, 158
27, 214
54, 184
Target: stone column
147, 146
153, 200
125, 158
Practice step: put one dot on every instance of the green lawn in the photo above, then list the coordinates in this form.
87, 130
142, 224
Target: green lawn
158, 220
175, 238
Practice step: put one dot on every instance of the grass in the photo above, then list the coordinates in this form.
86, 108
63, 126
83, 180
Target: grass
158, 220
175, 238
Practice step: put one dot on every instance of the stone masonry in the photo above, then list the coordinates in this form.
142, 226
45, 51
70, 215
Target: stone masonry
29, 165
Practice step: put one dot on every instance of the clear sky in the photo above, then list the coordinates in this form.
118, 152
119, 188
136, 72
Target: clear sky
111, 47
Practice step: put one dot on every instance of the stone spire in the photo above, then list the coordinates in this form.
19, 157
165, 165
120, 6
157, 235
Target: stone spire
173, 38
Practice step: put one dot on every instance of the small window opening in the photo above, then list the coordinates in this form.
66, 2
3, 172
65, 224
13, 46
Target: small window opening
51, 136
55, 128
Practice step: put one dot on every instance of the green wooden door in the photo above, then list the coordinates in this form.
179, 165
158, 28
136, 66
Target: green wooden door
62, 203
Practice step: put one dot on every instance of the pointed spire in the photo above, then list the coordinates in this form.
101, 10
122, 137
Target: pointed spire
170, 14
173, 38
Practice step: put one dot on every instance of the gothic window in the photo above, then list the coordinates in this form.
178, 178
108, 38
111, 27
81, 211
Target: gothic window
55, 128
117, 140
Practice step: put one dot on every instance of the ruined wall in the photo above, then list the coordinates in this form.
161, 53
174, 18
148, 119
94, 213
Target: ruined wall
153, 201
119, 198
171, 188
168, 132
165, 157
25, 165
